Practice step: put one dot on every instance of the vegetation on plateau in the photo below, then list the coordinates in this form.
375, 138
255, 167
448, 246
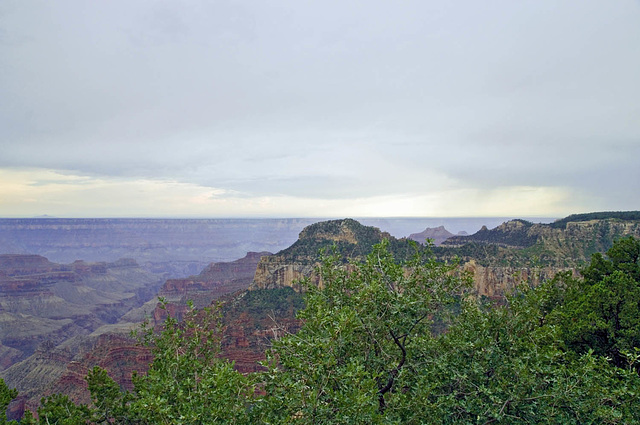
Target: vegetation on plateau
348, 237
520, 243
566, 352
617, 215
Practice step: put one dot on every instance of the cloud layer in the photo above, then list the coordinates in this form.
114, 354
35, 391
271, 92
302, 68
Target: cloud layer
319, 108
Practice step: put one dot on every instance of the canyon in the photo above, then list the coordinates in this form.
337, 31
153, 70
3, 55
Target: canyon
178, 247
172, 247
44, 302
60, 320
68, 338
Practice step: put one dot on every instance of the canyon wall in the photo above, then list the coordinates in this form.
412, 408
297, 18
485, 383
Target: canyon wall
516, 251
44, 302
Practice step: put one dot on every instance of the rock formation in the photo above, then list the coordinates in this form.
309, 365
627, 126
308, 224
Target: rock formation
41, 301
253, 319
562, 244
436, 234
60, 346
500, 258
215, 281
350, 239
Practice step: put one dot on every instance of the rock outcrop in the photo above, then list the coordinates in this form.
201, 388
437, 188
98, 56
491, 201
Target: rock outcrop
562, 244
436, 234
275, 272
63, 368
495, 281
253, 319
350, 239
215, 281
518, 250
500, 258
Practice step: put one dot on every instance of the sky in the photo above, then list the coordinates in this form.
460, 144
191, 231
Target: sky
294, 108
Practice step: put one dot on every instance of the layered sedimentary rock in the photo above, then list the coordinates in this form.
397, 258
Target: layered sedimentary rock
276, 272
43, 302
63, 368
215, 281
119, 354
565, 243
60, 364
495, 281
253, 319
500, 258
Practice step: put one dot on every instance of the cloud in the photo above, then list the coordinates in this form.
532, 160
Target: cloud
301, 102
32, 192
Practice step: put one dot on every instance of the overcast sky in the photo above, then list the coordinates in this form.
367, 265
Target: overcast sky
319, 108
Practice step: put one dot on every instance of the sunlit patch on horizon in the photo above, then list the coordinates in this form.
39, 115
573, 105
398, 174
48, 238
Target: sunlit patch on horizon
32, 192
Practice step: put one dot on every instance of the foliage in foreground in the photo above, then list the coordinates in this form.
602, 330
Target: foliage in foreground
565, 352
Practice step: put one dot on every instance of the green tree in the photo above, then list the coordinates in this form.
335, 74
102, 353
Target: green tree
6, 396
507, 364
58, 409
601, 312
110, 403
355, 351
367, 354
188, 382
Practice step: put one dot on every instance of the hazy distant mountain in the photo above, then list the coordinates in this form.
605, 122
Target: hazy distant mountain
437, 234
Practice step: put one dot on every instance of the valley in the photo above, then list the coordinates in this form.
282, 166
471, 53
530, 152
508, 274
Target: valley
61, 319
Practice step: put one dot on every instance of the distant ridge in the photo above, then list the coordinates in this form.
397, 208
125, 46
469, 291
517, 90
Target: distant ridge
568, 242
437, 234
618, 215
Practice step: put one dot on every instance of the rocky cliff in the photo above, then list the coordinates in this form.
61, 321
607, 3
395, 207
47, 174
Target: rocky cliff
63, 368
495, 281
58, 353
500, 258
564, 244
521, 251
350, 239
215, 281
253, 319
